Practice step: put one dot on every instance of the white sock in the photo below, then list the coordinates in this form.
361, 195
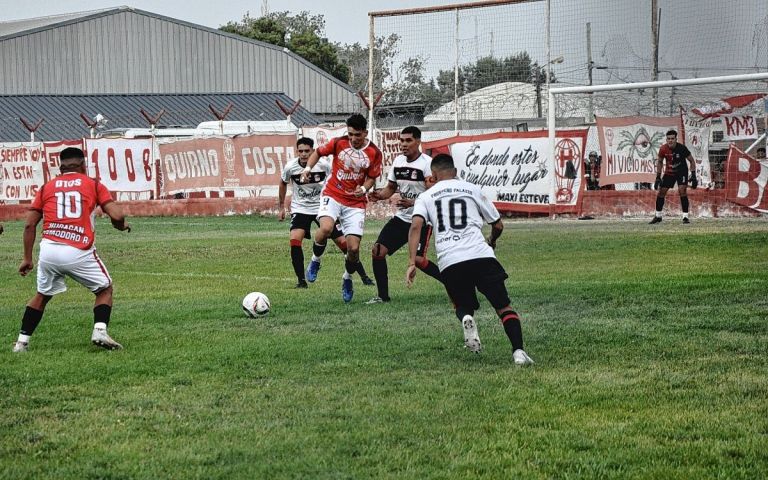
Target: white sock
99, 326
315, 258
346, 275
23, 338
685, 215
658, 214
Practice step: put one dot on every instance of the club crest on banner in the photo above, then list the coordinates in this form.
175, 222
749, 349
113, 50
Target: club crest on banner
568, 158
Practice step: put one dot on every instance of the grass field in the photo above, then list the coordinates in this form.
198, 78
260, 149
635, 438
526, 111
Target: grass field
651, 346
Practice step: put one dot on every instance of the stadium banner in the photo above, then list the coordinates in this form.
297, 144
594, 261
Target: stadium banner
21, 166
513, 168
388, 142
630, 146
198, 164
739, 127
697, 140
121, 165
51, 167
746, 179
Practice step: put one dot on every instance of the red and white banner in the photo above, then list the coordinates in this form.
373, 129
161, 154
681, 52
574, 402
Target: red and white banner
21, 170
697, 140
515, 170
224, 163
322, 135
630, 146
739, 127
727, 105
121, 165
52, 151
746, 179
388, 142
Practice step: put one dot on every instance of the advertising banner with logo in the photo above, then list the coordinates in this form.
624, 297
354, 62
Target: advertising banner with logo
121, 165
746, 179
514, 169
697, 133
21, 166
224, 163
630, 146
739, 127
52, 151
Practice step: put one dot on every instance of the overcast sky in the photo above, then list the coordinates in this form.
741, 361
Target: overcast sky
345, 24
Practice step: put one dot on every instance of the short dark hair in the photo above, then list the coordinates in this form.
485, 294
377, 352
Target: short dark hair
672, 132
411, 130
442, 161
70, 153
357, 121
305, 141
761, 149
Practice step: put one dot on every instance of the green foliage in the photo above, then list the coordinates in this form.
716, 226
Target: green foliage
303, 34
650, 346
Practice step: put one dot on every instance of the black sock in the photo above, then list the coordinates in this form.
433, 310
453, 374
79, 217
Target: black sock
297, 259
511, 322
380, 271
684, 203
432, 270
30, 321
461, 313
101, 313
659, 204
361, 270
351, 267
318, 249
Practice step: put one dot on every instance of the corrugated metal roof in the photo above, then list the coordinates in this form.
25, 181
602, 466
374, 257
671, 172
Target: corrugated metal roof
17, 26
34, 25
61, 113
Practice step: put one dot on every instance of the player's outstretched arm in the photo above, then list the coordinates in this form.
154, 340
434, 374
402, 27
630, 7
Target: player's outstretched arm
497, 228
281, 189
314, 157
414, 235
30, 231
385, 192
115, 213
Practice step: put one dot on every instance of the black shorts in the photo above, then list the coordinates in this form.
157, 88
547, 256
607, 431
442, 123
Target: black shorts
484, 274
395, 234
304, 221
669, 180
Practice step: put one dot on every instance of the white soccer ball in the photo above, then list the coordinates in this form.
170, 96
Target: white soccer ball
256, 304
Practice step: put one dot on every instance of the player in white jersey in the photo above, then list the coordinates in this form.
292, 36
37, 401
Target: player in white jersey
409, 176
305, 202
458, 210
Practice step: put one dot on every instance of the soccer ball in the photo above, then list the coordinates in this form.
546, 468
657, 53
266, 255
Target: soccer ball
256, 304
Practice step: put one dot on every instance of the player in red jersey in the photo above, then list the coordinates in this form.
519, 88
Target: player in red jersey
355, 165
66, 205
674, 158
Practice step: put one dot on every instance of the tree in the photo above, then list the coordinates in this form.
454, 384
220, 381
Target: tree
355, 57
303, 34
489, 71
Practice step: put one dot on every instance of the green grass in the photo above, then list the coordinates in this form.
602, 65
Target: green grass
651, 346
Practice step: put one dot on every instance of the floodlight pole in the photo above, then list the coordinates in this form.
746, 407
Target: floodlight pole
371, 104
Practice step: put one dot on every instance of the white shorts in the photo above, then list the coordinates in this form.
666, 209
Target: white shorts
351, 219
58, 261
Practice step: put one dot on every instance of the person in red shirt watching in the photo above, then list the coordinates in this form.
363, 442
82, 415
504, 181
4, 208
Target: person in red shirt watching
66, 206
355, 165
675, 159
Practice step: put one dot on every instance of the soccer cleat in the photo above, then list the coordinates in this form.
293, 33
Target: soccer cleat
302, 284
368, 281
312, 269
521, 358
101, 338
346, 290
19, 347
655, 220
685, 220
376, 300
471, 339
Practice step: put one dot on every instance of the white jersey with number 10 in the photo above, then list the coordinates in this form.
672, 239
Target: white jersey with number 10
457, 211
